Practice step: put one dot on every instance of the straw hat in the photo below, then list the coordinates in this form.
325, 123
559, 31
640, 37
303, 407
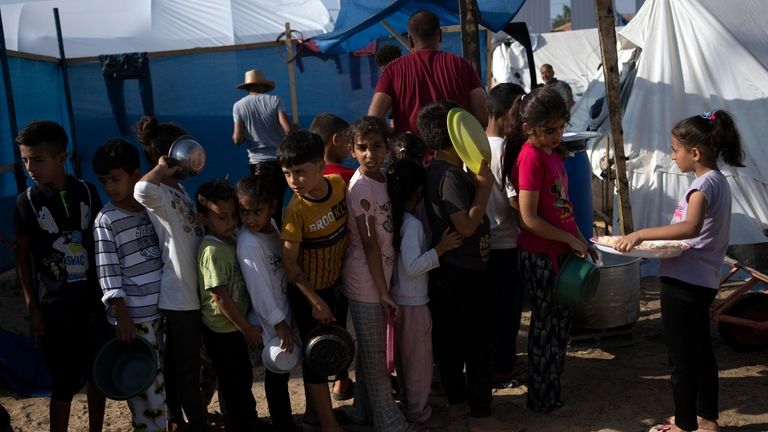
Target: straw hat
256, 77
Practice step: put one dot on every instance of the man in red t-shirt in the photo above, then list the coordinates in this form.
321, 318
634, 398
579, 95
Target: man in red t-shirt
424, 76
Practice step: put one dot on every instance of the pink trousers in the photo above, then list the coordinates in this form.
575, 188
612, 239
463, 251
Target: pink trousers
414, 359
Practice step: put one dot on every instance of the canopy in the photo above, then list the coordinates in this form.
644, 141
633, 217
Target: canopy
358, 22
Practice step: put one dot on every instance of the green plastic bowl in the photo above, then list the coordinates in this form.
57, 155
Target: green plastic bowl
122, 371
577, 281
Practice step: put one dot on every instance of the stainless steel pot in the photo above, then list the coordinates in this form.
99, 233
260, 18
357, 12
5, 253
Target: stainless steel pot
187, 153
330, 350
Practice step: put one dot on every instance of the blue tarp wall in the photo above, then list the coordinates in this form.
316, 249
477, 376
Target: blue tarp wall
194, 90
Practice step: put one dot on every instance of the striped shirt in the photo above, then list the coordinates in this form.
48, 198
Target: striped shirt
128, 261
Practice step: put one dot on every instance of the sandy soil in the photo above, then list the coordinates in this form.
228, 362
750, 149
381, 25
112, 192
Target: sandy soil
618, 383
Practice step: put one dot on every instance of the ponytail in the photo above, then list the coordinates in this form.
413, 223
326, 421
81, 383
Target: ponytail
404, 177
714, 134
514, 138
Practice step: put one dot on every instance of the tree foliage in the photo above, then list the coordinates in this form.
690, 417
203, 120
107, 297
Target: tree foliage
563, 17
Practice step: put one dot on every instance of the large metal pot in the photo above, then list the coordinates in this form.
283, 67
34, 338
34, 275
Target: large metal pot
188, 154
616, 302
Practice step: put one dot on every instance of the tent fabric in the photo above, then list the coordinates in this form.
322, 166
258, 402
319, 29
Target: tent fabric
95, 27
697, 56
358, 23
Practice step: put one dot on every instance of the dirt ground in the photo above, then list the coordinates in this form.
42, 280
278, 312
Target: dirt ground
611, 383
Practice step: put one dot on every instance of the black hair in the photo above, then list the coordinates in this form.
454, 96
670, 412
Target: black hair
300, 147
423, 25
408, 146
156, 137
432, 124
386, 54
501, 97
365, 126
115, 154
44, 133
258, 187
326, 125
214, 191
404, 177
714, 134
539, 108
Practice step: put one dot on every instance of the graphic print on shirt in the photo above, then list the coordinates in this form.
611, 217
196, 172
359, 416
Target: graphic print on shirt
75, 261
276, 266
46, 221
149, 246
679, 214
187, 213
335, 213
561, 202
382, 210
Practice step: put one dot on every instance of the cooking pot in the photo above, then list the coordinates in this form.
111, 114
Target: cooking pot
330, 350
187, 153
577, 281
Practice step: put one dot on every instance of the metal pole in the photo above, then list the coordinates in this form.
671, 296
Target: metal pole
18, 172
75, 158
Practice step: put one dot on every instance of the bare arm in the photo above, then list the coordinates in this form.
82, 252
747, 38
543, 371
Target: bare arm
160, 172
229, 308
238, 136
477, 105
366, 226
531, 221
126, 330
466, 222
285, 122
294, 273
689, 228
380, 104
24, 275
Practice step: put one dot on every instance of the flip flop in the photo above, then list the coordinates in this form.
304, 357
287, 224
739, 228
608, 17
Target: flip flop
348, 393
660, 428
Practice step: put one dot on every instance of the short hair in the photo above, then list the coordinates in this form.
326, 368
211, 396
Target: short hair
326, 125
300, 147
44, 133
547, 66
259, 187
365, 126
213, 191
386, 54
432, 124
115, 154
500, 98
423, 25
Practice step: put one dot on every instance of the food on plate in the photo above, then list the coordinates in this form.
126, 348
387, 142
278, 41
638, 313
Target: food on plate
646, 245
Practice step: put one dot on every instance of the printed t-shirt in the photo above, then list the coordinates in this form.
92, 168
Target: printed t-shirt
538, 171
320, 227
449, 190
415, 80
218, 267
367, 197
700, 265
60, 227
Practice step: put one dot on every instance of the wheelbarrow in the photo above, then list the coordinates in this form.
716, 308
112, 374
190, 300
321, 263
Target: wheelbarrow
743, 316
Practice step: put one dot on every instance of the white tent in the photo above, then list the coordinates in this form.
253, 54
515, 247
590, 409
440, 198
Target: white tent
697, 56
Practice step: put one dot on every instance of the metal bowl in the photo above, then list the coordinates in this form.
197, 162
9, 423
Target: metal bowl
329, 350
187, 153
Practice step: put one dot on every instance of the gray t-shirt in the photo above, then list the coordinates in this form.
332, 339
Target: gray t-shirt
263, 133
449, 190
700, 265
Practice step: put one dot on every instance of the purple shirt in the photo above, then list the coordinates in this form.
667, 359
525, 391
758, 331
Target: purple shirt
700, 265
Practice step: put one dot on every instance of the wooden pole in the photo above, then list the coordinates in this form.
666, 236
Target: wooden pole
470, 39
18, 172
488, 60
291, 75
67, 96
605, 26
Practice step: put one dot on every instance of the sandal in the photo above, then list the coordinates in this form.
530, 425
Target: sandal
348, 393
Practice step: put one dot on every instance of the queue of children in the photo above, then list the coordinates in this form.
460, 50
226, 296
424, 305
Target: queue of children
400, 244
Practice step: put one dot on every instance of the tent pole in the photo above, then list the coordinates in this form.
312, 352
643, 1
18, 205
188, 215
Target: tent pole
488, 60
291, 74
396, 35
605, 25
18, 172
75, 158
470, 40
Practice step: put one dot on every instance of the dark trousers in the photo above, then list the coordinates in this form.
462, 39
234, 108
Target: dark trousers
279, 400
463, 326
508, 307
305, 322
232, 364
116, 95
182, 367
685, 319
273, 169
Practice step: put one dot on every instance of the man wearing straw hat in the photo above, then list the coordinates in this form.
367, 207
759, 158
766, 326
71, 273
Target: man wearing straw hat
261, 122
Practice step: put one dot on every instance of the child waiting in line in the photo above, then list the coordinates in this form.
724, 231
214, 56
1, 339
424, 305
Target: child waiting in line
367, 272
54, 236
405, 183
689, 282
258, 253
314, 241
129, 265
173, 215
409, 146
224, 300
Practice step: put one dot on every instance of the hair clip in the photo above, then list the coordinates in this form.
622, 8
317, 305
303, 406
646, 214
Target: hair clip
708, 116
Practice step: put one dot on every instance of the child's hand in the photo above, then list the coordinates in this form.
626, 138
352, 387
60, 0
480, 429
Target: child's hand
449, 241
484, 176
322, 313
627, 242
168, 169
389, 304
125, 331
286, 335
578, 247
252, 335
36, 324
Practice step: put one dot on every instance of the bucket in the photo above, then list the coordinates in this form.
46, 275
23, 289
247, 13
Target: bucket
616, 302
